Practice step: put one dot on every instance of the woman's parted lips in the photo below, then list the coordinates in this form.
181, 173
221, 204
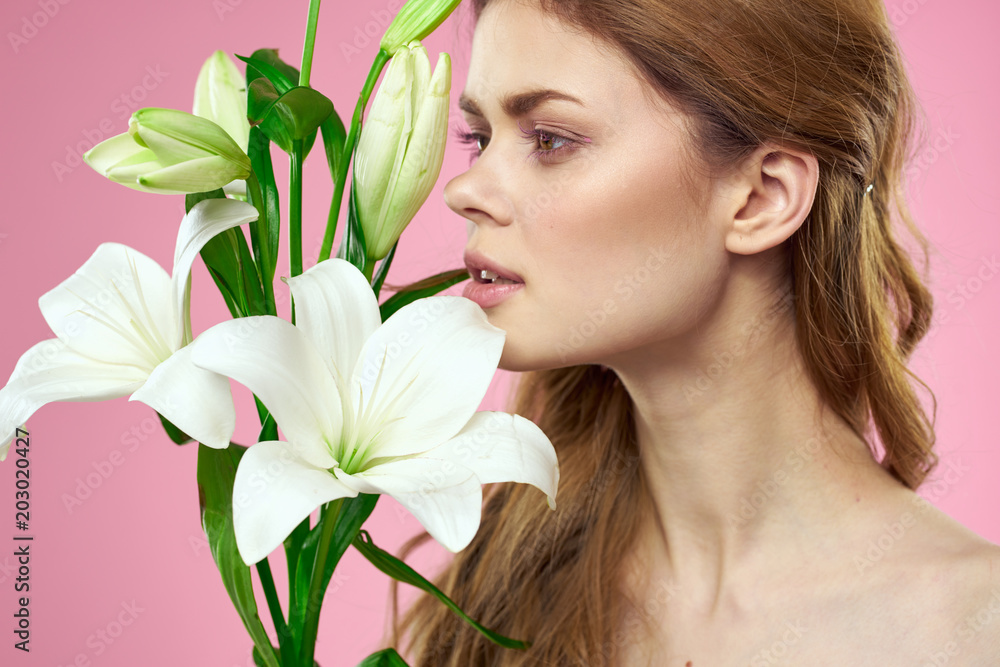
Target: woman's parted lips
475, 262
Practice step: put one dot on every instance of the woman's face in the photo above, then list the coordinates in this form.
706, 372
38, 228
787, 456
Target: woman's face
585, 192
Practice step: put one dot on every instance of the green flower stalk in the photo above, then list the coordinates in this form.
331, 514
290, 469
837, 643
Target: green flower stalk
170, 152
401, 147
416, 20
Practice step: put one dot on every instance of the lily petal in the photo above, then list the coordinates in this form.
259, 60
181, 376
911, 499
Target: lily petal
278, 363
50, 371
444, 497
111, 309
436, 358
237, 188
128, 173
177, 135
501, 447
425, 153
113, 151
196, 401
421, 74
272, 493
205, 220
220, 96
382, 143
389, 225
336, 308
198, 175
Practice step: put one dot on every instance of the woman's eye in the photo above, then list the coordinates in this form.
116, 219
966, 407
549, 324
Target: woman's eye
546, 140
551, 146
549, 143
476, 142
546, 144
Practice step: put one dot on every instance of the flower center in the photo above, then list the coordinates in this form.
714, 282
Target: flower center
365, 422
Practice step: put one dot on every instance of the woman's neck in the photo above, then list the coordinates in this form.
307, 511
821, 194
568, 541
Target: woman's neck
746, 472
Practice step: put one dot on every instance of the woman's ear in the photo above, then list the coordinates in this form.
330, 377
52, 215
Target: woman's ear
773, 193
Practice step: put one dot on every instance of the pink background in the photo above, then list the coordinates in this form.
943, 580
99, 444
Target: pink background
135, 539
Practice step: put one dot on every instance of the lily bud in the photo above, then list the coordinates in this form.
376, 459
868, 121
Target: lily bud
220, 95
416, 20
170, 152
401, 146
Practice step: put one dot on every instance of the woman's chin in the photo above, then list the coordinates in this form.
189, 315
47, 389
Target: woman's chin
512, 360
520, 359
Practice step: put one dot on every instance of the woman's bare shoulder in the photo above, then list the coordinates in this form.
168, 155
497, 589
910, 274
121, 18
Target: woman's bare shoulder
960, 572
977, 602
960, 600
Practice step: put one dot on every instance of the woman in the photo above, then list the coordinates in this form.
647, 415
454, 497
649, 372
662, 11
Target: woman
685, 209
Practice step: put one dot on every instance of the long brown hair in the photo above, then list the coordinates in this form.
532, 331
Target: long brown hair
826, 76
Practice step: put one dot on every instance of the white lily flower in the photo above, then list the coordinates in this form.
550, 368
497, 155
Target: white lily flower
401, 147
220, 95
122, 327
372, 408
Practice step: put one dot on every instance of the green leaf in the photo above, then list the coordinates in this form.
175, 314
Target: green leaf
385, 658
293, 548
268, 430
289, 116
231, 265
400, 571
178, 436
261, 96
219, 259
249, 283
383, 269
418, 290
195, 197
352, 246
216, 472
235, 309
262, 412
259, 150
266, 63
334, 138
353, 513
259, 661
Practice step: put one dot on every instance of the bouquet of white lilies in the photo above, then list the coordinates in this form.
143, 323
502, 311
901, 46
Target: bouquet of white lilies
370, 398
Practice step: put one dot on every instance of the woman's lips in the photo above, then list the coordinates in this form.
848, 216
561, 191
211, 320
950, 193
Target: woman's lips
476, 262
488, 295
484, 291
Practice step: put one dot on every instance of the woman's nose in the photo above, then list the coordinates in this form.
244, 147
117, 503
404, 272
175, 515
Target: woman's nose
479, 195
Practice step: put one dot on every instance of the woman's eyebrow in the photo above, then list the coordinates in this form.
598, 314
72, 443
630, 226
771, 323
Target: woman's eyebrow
517, 104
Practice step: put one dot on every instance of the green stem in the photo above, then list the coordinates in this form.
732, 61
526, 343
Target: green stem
295, 210
369, 269
311, 627
260, 243
288, 652
267, 653
352, 137
331, 219
307, 48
